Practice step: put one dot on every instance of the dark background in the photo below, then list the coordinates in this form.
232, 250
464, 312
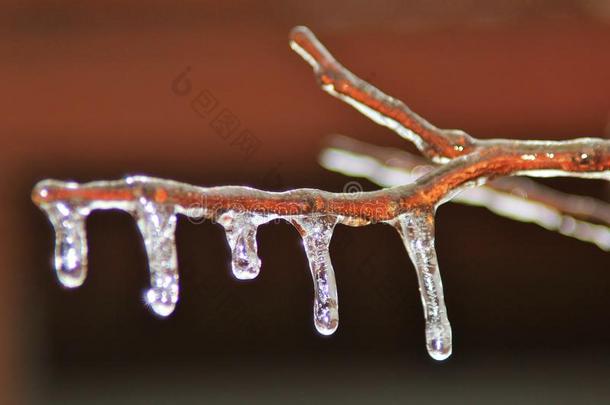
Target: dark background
86, 90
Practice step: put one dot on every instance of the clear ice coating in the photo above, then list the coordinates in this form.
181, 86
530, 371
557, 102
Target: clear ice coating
417, 232
157, 224
240, 229
316, 232
70, 242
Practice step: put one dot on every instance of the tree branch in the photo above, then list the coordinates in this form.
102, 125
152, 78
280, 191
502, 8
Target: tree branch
437, 144
518, 198
240, 210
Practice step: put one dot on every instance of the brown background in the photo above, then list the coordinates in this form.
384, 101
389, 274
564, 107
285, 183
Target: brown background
86, 90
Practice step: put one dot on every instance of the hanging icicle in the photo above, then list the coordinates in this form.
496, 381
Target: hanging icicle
240, 229
70, 242
316, 233
417, 232
157, 224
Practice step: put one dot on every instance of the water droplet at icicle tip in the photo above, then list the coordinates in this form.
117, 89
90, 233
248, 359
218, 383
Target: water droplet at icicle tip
438, 340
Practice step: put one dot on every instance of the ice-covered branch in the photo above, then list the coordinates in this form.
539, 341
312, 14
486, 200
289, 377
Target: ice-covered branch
410, 208
438, 144
518, 198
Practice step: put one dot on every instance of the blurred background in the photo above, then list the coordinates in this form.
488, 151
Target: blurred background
87, 94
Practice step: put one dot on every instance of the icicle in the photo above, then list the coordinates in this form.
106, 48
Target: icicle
241, 229
157, 223
417, 231
316, 233
70, 242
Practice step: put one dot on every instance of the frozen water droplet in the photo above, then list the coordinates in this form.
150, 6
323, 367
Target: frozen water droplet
438, 340
417, 232
70, 242
316, 233
157, 224
241, 229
